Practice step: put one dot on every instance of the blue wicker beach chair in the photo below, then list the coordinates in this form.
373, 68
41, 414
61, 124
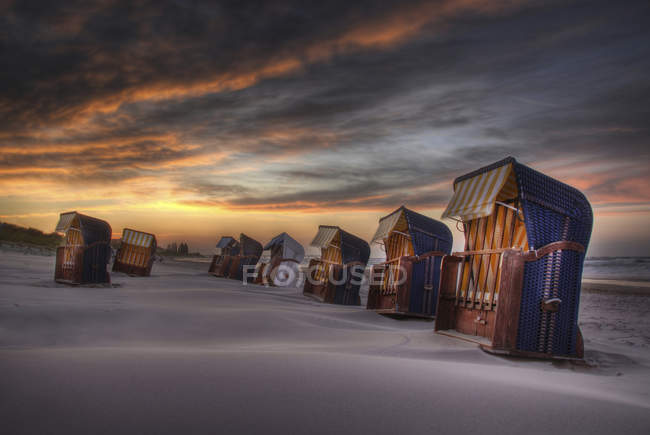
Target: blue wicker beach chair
250, 251
280, 261
83, 258
226, 249
336, 276
516, 287
406, 284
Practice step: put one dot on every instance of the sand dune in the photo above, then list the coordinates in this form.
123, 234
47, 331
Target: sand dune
184, 352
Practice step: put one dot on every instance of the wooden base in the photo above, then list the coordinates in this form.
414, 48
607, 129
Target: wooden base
319, 292
131, 270
465, 337
523, 354
394, 313
316, 297
485, 345
84, 284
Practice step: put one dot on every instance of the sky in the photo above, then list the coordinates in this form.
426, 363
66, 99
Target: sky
199, 119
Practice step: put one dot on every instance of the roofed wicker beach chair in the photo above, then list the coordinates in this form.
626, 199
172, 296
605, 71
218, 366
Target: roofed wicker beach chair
279, 263
336, 276
250, 251
515, 289
226, 249
406, 284
136, 253
83, 258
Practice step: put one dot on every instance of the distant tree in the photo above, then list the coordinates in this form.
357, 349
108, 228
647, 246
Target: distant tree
183, 249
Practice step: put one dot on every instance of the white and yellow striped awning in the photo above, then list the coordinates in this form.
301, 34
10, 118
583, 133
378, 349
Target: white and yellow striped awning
137, 238
324, 236
387, 224
65, 221
475, 197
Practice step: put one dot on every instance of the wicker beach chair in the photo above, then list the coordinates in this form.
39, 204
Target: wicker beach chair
226, 249
515, 289
336, 276
136, 253
406, 284
250, 251
83, 258
279, 262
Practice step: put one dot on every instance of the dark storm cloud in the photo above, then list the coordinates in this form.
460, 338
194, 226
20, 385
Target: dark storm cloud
368, 106
63, 56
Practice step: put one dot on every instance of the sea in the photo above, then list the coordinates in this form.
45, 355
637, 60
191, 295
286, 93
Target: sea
610, 268
617, 268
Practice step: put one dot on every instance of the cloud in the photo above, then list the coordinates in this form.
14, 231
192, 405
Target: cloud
94, 59
318, 107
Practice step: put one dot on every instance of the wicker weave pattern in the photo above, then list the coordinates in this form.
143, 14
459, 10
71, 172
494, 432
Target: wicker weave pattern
555, 275
554, 212
425, 282
347, 293
97, 256
428, 234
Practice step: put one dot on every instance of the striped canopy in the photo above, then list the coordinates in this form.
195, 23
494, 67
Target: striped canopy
474, 197
65, 221
387, 224
92, 229
324, 236
137, 238
352, 247
426, 234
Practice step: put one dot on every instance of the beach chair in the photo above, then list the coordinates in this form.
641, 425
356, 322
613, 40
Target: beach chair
250, 251
515, 289
226, 249
406, 284
279, 262
83, 258
336, 276
135, 255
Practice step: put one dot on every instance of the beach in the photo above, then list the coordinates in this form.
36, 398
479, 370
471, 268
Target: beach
185, 352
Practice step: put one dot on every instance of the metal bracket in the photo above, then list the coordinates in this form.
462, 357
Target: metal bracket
551, 305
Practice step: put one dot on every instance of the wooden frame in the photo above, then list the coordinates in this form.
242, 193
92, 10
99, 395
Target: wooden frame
220, 265
69, 264
282, 252
266, 271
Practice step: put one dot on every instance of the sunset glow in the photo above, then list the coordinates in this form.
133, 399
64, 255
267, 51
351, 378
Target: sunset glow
277, 127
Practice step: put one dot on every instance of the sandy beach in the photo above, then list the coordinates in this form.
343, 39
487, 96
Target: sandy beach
184, 352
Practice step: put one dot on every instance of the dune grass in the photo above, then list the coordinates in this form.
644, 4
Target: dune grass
32, 236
